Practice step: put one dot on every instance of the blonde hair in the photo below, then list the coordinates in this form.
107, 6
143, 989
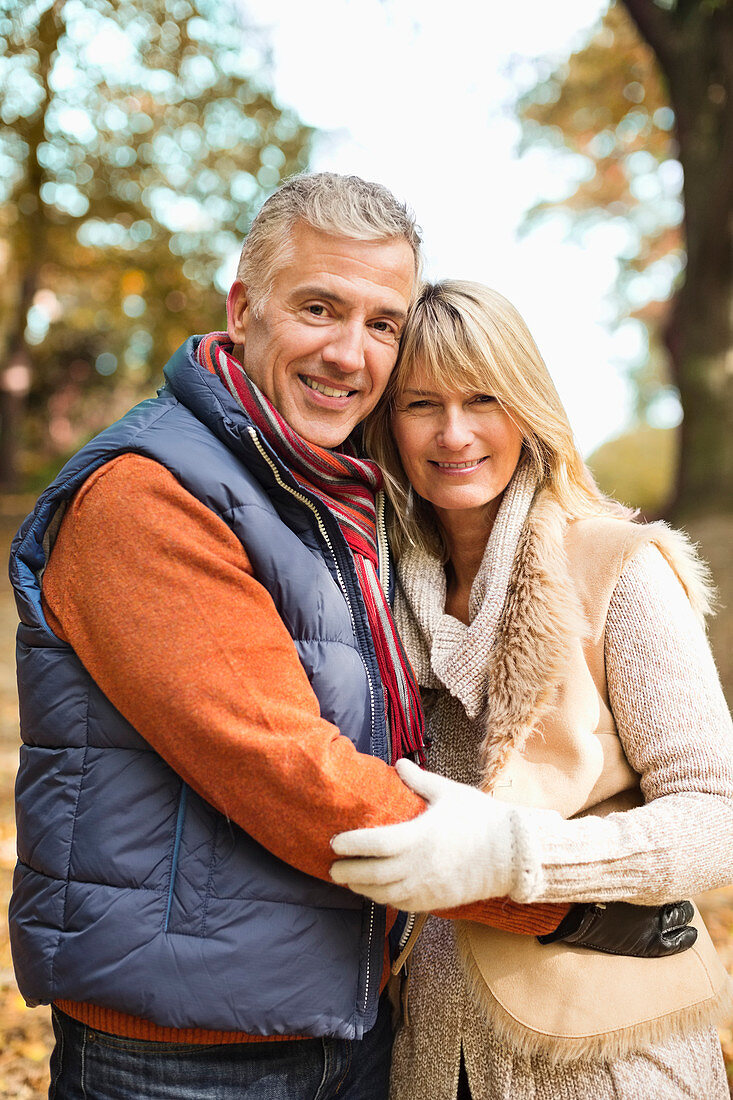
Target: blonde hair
345, 206
464, 336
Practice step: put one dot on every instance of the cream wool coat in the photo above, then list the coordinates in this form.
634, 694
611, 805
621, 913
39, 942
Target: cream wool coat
530, 669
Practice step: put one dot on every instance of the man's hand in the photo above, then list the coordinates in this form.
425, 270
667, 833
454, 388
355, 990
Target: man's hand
619, 928
463, 848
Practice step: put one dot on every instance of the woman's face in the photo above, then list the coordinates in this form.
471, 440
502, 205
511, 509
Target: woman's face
459, 449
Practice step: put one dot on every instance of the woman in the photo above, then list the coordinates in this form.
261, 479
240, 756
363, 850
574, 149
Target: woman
565, 672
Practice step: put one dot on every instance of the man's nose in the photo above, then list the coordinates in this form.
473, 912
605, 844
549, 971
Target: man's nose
455, 431
345, 350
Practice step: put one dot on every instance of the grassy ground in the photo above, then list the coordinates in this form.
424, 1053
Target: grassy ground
25, 1034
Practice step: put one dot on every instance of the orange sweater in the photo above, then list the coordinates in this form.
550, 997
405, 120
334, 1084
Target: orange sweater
141, 578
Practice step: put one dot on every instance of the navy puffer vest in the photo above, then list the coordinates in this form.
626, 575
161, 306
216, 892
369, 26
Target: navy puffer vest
131, 892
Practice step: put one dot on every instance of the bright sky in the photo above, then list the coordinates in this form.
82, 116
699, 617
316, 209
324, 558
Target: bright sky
418, 96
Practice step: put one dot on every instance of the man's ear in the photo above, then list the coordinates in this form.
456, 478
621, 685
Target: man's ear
238, 312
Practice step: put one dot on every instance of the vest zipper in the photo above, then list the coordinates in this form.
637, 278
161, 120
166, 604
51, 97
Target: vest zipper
180, 818
322, 528
326, 538
406, 932
382, 544
384, 576
408, 939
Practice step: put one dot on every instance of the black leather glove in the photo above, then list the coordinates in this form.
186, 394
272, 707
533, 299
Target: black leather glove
618, 928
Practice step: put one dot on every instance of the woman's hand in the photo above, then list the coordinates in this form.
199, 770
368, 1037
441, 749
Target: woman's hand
465, 847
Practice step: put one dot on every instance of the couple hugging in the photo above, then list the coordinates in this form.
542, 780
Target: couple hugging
364, 738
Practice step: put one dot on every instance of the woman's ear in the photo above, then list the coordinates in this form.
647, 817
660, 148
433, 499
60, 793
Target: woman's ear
238, 312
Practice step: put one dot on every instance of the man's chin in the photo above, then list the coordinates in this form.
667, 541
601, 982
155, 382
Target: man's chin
322, 432
330, 441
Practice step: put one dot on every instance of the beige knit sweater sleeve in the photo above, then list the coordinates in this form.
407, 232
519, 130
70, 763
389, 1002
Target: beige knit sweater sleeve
676, 730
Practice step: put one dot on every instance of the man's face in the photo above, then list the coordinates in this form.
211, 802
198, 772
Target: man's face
326, 339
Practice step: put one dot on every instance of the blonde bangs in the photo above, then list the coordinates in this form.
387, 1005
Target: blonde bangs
443, 349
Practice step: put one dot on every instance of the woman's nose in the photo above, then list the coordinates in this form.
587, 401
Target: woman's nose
455, 432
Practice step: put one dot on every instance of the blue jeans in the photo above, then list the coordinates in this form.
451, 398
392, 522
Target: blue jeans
91, 1065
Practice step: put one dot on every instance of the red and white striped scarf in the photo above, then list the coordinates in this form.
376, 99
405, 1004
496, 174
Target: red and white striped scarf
346, 485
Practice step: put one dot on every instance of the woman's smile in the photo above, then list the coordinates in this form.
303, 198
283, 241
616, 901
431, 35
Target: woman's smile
466, 467
458, 448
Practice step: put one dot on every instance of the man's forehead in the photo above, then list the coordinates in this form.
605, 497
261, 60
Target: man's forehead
324, 265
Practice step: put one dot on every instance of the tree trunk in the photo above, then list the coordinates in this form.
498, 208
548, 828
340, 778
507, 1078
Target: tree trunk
31, 251
12, 413
693, 42
15, 382
700, 343
700, 331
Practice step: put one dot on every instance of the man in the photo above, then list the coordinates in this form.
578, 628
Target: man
211, 688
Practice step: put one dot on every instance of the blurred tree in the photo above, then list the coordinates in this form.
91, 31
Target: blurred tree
647, 106
137, 144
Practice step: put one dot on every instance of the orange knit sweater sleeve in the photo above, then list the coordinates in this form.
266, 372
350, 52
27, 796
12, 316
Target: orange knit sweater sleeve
157, 597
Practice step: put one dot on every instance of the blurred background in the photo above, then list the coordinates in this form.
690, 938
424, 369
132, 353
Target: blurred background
578, 157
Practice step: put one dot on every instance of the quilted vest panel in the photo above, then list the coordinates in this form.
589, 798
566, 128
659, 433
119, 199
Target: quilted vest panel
131, 891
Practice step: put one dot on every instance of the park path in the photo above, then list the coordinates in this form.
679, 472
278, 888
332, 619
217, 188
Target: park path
25, 1034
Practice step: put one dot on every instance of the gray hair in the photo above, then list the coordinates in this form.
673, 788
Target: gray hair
345, 206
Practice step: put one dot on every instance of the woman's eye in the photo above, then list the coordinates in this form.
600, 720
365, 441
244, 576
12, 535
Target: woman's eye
422, 404
483, 399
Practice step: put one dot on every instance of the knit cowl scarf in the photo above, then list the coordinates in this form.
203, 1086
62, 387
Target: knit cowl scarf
346, 485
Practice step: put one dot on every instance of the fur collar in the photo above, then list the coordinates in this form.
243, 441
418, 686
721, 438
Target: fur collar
542, 616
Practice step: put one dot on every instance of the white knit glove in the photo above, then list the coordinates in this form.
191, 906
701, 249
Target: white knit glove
466, 846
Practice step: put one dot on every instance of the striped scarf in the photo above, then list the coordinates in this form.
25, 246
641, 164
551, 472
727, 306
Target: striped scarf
346, 486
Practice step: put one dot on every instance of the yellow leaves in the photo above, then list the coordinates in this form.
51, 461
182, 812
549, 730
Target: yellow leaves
613, 78
35, 1052
7, 854
133, 282
25, 1046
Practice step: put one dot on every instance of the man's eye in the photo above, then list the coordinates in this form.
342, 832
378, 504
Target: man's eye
386, 327
317, 310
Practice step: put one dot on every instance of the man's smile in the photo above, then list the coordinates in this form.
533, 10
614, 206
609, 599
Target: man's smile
326, 389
